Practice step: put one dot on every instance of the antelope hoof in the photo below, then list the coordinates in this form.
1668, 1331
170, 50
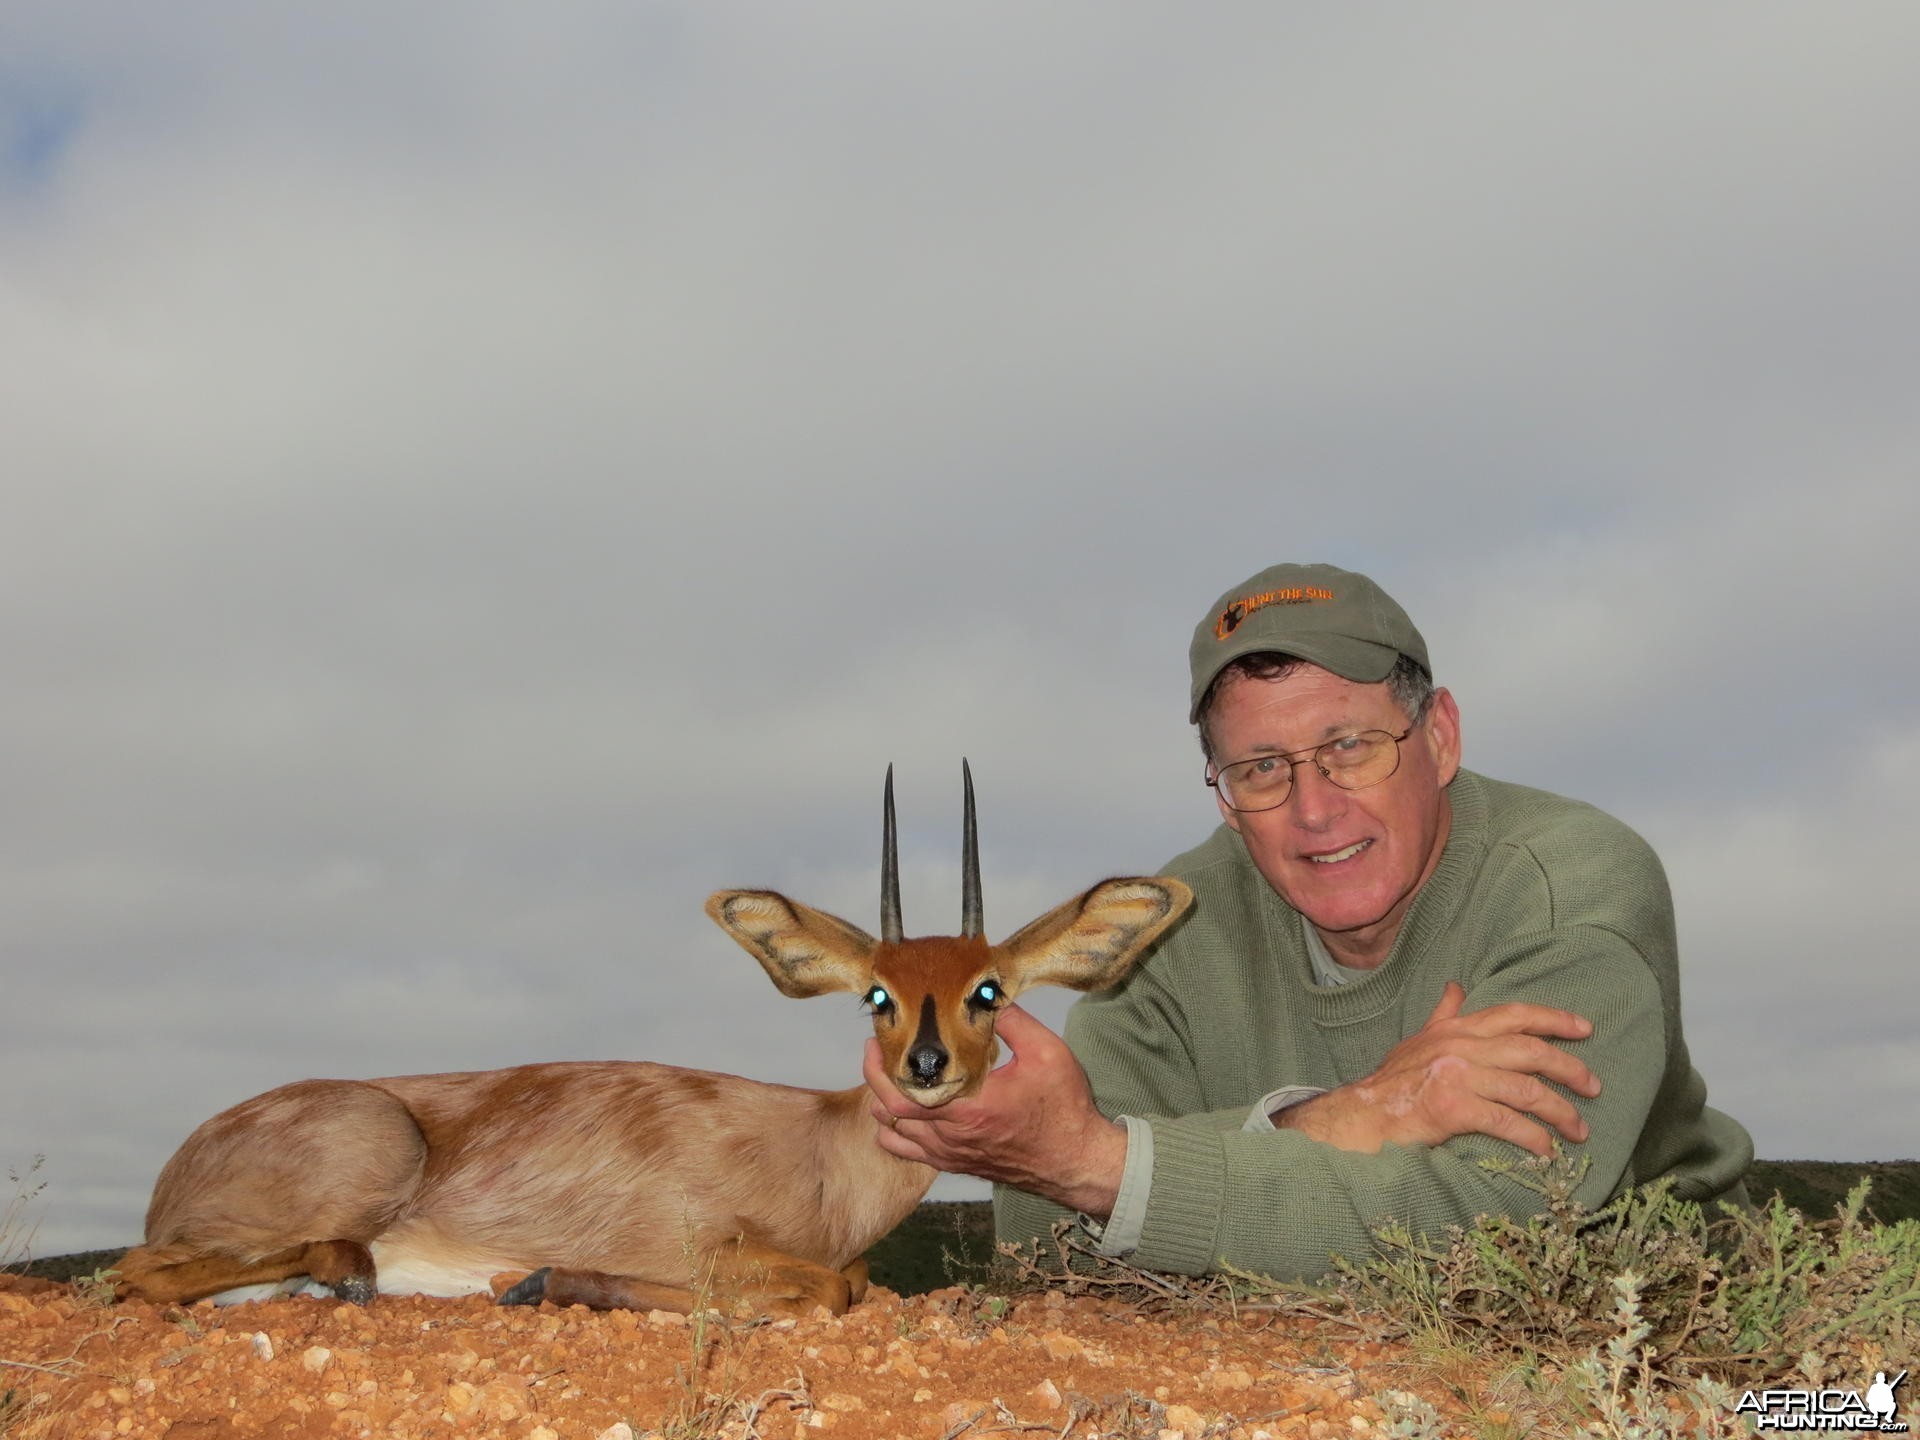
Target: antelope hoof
356, 1289
530, 1291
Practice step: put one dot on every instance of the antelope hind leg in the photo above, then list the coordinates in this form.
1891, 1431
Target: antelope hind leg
174, 1275
298, 1181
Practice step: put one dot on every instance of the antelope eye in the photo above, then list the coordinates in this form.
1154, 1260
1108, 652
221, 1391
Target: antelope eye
878, 999
985, 995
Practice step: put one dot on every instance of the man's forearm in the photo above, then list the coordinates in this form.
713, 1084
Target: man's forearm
1281, 1205
1090, 1184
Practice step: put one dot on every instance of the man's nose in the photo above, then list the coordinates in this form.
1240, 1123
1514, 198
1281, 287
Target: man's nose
1317, 801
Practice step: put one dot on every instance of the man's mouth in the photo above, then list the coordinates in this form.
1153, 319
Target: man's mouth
1334, 857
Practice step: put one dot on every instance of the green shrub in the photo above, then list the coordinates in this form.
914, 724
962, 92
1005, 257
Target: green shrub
1641, 1320
1763, 1297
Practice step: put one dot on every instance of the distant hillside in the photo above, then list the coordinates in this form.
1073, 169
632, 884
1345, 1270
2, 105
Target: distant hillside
950, 1242
943, 1242
1816, 1186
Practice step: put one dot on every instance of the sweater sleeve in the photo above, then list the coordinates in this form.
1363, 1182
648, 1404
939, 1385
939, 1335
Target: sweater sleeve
1133, 1043
1282, 1205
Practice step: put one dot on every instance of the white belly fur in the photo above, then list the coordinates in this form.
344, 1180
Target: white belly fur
273, 1290
399, 1274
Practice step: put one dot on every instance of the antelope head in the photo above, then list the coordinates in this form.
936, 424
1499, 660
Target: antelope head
933, 1000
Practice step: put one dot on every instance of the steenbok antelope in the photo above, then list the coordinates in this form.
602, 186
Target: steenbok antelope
626, 1184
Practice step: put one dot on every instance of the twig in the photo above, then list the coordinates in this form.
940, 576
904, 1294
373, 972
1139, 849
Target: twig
1011, 1421
1306, 1408
1078, 1409
794, 1393
72, 1357
960, 1427
53, 1369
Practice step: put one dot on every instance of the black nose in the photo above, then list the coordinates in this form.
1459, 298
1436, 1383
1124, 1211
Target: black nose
926, 1062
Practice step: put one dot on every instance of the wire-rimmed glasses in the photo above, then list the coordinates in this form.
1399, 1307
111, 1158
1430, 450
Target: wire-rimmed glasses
1353, 762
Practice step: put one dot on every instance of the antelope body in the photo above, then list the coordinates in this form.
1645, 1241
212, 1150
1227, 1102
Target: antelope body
624, 1183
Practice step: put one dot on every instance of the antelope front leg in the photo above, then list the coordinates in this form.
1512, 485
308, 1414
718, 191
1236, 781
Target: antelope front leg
856, 1278
772, 1282
597, 1290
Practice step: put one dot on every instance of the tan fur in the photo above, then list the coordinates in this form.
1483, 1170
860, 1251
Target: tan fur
640, 1184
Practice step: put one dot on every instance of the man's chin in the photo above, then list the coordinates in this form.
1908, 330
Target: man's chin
1340, 914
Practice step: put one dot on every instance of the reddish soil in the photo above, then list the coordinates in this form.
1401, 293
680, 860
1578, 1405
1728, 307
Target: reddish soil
951, 1364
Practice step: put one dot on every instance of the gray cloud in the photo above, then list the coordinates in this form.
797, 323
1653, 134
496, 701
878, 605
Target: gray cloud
472, 494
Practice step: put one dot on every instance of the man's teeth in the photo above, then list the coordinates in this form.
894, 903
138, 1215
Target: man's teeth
1339, 855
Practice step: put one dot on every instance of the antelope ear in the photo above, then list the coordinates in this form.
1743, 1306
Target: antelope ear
1092, 941
804, 951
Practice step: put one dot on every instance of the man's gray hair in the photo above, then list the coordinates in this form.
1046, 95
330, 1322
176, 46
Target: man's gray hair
1409, 684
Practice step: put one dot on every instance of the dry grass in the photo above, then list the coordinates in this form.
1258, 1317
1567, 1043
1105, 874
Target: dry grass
17, 1225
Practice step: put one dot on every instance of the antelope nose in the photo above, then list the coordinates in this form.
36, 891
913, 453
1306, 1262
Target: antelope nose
926, 1057
925, 1062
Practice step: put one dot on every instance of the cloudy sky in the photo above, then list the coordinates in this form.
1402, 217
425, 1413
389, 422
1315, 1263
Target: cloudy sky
478, 478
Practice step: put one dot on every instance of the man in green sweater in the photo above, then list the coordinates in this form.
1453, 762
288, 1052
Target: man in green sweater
1364, 1001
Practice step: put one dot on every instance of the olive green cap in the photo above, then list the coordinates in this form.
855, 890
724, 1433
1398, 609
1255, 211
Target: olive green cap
1322, 614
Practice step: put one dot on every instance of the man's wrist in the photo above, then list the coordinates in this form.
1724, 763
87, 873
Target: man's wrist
1096, 1184
1264, 1118
1118, 1234
1332, 1120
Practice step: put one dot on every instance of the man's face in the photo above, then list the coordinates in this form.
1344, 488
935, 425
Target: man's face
1349, 860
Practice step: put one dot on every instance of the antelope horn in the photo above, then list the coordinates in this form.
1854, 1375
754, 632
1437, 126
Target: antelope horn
890, 930
971, 921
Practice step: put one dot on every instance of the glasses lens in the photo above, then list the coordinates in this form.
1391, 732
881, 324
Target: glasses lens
1354, 762
1257, 784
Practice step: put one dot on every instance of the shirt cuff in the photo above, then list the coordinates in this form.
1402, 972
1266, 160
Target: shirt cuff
1274, 1101
1120, 1235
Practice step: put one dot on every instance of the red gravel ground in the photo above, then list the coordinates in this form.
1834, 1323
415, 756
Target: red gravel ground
932, 1367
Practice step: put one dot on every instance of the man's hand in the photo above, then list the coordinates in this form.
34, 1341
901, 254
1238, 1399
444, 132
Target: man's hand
1032, 1124
1481, 1074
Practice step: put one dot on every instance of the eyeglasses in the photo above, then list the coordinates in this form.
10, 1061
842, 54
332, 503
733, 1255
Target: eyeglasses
1353, 762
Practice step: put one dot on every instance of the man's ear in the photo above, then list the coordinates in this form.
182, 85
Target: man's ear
804, 951
1443, 734
1092, 941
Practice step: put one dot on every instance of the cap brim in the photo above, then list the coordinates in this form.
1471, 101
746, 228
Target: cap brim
1360, 661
